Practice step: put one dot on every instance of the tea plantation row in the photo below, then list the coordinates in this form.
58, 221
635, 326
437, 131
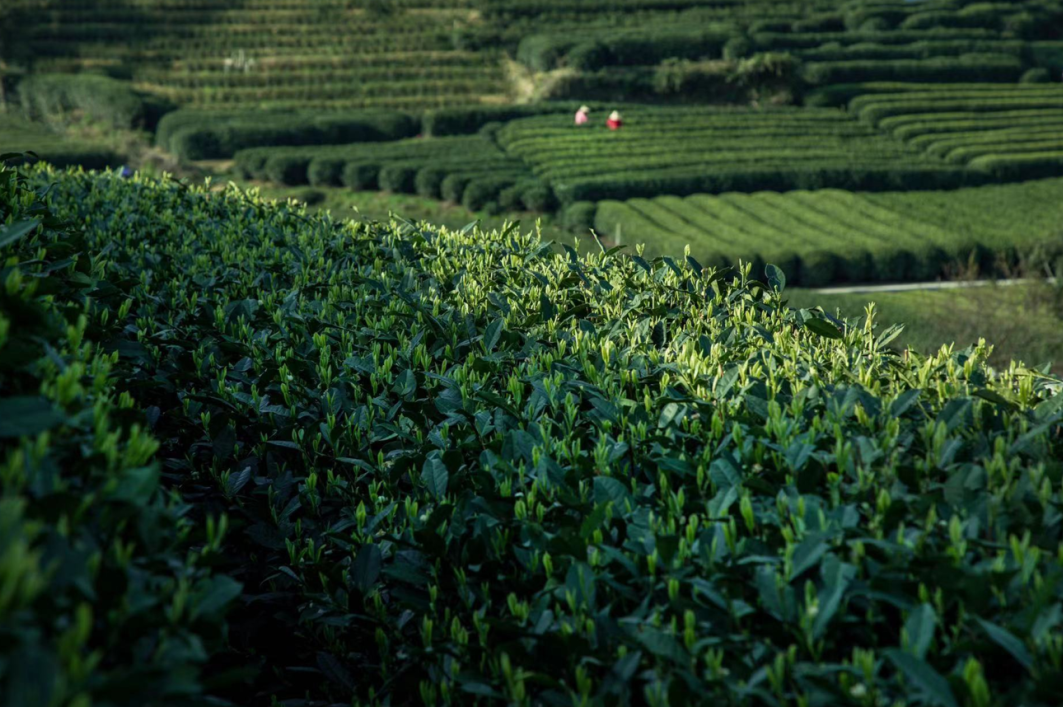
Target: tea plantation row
424, 53
831, 236
248, 452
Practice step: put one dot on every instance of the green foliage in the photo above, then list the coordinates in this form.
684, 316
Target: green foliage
323, 165
17, 133
829, 236
468, 120
1002, 130
109, 596
61, 97
469, 467
579, 216
1038, 75
990, 67
686, 150
334, 54
203, 135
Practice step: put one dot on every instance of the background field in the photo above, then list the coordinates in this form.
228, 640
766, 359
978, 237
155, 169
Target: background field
847, 140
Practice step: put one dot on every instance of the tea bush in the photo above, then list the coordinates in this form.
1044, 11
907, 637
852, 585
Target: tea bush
204, 135
49, 97
829, 236
108, 593
468, 467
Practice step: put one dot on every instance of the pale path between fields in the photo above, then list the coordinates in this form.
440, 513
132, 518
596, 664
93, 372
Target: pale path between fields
940, 285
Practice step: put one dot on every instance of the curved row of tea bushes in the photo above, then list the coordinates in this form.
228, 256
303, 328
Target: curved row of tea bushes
1011, 132
375, 54
202, 135
830, 236
470, 468
689, 150
470, 170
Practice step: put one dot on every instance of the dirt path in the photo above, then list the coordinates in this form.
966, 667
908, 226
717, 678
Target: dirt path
911, 286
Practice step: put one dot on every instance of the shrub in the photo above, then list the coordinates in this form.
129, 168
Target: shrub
509, 199
290, 170
1038, 75
50, 97
579, 216
452, 188
478, 192
109, 596
428, 181
399, 178
538, 196
326, 171
459, 448
737, 48
361, 176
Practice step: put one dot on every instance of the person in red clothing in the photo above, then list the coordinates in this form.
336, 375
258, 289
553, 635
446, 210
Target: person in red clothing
614, 121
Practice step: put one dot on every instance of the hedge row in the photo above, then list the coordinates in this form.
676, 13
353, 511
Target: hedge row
590, 51
471, 170
984, 68
51, 97
110, 592
469, 119
200, 135
780, 178
469, 468
196, 134
829, 236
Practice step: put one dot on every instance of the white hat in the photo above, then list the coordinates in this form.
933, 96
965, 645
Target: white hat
584, 109
615, 115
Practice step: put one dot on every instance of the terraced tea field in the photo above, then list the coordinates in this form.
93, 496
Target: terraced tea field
829, 235
1013, 131
687, 150
272, 53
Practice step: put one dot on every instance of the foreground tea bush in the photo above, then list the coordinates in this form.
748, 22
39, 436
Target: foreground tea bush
468, 467
106, 591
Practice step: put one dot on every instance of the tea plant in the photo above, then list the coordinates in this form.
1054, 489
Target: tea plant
472, 468
107, 595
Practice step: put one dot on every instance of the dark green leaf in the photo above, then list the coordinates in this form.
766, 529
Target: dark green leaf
823, 328
366, 568
493, 334
1007, 640
435, 475
923, 677
27, 416
776, 277
17, 230
920, 629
